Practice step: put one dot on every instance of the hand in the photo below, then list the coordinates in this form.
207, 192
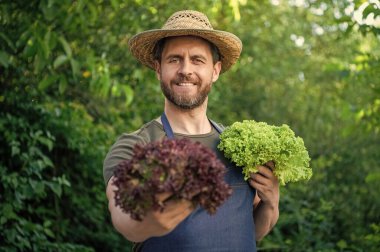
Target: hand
266, 185
163, 222
154, 223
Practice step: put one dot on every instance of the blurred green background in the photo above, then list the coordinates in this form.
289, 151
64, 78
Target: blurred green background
69, 87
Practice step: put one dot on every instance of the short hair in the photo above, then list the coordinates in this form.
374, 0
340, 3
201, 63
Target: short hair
159, 48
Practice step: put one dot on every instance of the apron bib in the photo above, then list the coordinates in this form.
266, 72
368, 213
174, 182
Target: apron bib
231, 228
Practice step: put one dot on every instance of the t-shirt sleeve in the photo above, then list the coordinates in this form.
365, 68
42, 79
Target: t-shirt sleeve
120, 151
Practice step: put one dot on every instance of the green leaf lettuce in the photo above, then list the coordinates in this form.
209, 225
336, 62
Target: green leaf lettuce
250, 144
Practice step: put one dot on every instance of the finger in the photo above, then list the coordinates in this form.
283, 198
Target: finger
177, 210
171, 216
259, 190
186, 212
179, 216
265, 171
270, 165
258, 182
161, 197
260, 177
177, 204
181, 207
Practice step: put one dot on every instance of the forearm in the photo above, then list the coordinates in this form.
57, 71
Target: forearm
265, 217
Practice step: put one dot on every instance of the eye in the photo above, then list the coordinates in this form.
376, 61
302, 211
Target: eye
198, 61
173, 60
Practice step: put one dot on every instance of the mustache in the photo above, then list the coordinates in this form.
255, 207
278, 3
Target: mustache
185, 78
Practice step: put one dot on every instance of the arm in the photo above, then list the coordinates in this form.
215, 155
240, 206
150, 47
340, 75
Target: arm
266, 201
155, 223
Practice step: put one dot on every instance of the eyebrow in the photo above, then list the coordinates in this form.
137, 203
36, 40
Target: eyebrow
173, 56
196, 56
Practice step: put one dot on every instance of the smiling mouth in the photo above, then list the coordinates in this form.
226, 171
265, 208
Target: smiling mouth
184, 84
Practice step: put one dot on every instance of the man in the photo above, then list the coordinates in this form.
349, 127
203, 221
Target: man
188, 56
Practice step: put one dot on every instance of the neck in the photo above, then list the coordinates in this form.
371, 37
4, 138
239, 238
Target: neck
189, 122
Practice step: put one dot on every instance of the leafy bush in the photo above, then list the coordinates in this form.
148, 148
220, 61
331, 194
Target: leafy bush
49, 173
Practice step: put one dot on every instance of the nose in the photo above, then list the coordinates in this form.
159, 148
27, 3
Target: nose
186, 67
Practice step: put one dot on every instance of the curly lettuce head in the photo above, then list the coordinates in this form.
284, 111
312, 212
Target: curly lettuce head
250, 143
185, 169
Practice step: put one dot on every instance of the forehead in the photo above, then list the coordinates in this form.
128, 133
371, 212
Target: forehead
182, 43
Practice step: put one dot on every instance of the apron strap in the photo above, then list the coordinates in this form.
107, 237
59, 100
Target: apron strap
167, 128
216, 126
169, 132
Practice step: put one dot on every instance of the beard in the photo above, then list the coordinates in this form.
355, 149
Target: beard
185, 101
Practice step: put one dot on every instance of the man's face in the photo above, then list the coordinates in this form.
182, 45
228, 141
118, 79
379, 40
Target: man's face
187, 71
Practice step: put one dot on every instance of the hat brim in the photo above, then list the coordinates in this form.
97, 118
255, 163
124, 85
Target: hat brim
141, 45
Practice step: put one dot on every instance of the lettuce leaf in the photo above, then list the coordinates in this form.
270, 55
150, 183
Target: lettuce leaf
250, 143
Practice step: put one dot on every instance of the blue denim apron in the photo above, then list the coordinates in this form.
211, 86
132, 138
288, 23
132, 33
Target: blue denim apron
230, 229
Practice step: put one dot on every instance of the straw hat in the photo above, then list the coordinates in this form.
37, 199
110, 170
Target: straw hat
184, 23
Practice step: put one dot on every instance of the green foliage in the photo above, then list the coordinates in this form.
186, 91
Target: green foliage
69, 87
250, 144
48, 176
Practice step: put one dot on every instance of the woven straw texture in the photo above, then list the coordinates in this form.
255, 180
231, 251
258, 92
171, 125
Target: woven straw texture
184, 23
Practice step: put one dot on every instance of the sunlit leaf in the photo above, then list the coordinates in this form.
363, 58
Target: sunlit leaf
62, 84
61, 59
66, 46
75, 68
128, 95
47, 82
373, 177
55, 187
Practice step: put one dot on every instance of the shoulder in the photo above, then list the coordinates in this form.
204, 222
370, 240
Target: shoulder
122, 149
149, 132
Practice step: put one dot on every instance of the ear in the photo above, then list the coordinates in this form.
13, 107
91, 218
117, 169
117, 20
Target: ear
157, 68
216, 71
